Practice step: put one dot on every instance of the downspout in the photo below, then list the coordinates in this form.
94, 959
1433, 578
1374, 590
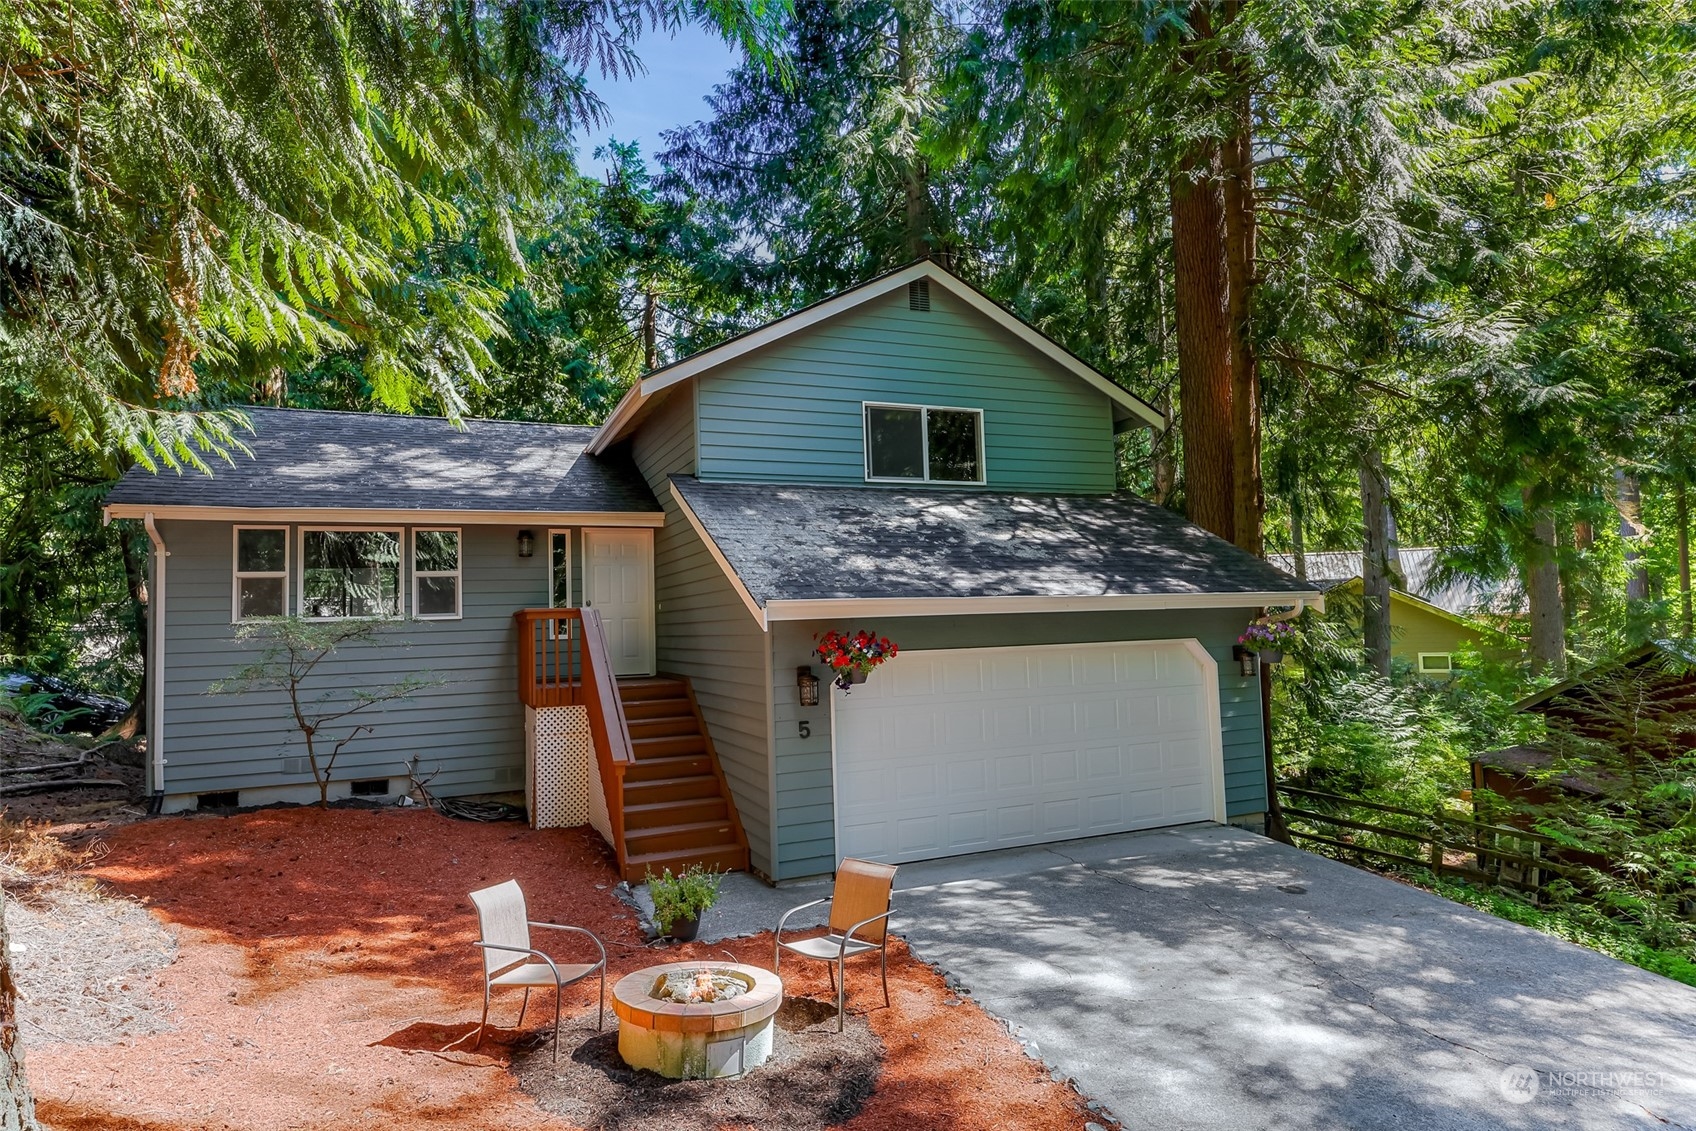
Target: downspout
156, 669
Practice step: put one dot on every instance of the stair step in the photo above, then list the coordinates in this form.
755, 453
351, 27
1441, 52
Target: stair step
651, 687
724, 857
635, 709
648, 748
673, 726
659, 791
677, 838
672, 766
681, 811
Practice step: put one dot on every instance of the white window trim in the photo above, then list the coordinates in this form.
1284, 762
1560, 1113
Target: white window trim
400, 588
1449, 656
551, 588
457, 573
236, 573
924, 411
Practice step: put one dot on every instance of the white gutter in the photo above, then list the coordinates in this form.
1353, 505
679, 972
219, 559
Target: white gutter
950, 606
156, 670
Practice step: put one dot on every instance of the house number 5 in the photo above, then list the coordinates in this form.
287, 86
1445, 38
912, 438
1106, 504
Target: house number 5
806, 729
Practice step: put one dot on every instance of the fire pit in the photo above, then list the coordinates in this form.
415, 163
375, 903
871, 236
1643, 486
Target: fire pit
696, 1020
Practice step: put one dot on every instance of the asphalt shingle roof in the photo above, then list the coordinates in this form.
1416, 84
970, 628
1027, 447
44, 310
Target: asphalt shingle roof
798, 543
312, 459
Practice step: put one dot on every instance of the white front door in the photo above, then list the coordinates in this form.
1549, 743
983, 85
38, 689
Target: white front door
949, 752
618, 583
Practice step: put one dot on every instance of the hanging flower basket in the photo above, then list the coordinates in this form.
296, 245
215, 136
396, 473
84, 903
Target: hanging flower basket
852, 657
1268, 639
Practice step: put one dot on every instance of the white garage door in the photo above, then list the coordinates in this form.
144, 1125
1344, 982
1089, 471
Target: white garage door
943, 753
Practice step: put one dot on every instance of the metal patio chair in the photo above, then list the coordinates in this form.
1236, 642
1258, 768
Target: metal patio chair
509, 961
858, 924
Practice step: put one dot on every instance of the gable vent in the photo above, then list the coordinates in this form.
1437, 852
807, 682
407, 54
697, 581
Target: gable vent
918, 294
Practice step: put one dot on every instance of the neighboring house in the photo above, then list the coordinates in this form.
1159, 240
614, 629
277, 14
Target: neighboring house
1645, 699
906, 458
1429, 622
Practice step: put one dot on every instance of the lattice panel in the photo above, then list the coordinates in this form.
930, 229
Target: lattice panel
560, 754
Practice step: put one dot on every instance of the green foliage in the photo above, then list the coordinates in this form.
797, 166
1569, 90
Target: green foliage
216, 190
1405, 740
683, 896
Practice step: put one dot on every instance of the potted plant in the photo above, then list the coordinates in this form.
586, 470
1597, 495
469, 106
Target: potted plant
1268, 639
853, 656
681, 900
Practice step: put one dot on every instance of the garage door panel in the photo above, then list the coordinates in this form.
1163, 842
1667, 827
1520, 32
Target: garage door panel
1009, 673
1014, 823
950, 752
1060, 768
1104, 763
1014, 771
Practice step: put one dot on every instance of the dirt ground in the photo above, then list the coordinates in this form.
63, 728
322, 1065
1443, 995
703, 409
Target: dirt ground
324, 977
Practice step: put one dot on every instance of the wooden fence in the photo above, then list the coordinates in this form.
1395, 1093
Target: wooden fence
1444, 844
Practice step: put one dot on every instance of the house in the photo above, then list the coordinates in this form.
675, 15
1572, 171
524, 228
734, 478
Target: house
1429, 622
1642, 703
623, 618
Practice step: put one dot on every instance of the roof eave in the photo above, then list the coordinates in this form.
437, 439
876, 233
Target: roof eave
404, 516
824, 608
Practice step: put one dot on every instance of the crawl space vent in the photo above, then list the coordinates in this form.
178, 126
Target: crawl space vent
918, 294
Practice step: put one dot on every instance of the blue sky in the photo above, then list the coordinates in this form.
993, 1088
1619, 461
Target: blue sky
682, 71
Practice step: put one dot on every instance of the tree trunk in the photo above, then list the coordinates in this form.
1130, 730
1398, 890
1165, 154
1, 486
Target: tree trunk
17, 1106
135, 582
650, 331
1204, 353
1298, 536
914, 176
1237, 196
1375, 562
1543, 592
1681, 507
1628, 500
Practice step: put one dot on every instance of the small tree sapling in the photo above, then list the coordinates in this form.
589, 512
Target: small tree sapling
293, 650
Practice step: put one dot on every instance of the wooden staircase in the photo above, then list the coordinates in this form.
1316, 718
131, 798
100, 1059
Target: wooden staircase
678, 809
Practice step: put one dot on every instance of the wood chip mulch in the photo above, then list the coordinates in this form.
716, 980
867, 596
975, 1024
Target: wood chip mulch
325, 978
815, 1078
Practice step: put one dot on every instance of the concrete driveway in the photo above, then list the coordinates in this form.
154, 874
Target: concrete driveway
1207, 977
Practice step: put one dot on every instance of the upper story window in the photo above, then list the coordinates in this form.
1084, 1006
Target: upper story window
262, 572
435, 574
351, 573
923, 444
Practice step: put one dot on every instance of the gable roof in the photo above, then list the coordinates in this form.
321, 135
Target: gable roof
1669, 653
1126, 406
798, 550
1459, 597
307, 461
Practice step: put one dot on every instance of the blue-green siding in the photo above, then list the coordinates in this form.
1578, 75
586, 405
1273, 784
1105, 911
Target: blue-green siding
791, 412
466, 727
805, 820
705, 632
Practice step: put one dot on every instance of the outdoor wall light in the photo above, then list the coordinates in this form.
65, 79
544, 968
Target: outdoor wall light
526, 543
1248, 660
808, 684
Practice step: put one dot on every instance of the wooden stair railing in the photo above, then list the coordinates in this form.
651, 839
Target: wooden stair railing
563, 662
667, 800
